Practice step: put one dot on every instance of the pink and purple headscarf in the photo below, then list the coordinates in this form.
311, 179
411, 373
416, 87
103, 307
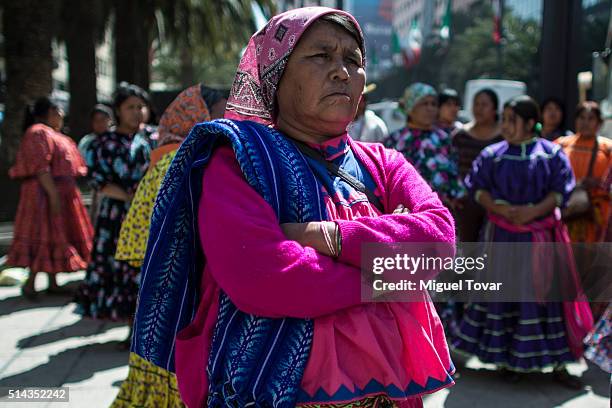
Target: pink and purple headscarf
253, 92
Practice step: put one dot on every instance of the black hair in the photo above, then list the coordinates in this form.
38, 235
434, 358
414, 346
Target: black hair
211, 95
525, 107
493, 97
103, 109
38, 111
560, 105
125, 91
348, 25
448, 95
589, 106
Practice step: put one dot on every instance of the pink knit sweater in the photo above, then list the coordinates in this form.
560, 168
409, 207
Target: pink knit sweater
263, 273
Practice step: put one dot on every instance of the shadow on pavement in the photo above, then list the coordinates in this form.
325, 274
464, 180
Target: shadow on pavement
19, 303
69, 366
42, 300
82, 328
534, 389
597, 379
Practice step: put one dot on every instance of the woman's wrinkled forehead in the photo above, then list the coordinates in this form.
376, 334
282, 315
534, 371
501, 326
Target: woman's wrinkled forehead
279, 37
254, 89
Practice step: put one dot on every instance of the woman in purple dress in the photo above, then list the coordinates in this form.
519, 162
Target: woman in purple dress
520, 182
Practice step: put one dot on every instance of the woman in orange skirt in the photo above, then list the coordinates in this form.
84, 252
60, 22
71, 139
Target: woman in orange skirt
588, 211
52, 232
591, 159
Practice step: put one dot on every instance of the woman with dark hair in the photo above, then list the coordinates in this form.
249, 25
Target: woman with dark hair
521, 182
449, 105
469, 141
428, 148
101, 120
553, 119
251, 282
588, 211
148, 127
52, 232
194, 105
591, 159
117, 160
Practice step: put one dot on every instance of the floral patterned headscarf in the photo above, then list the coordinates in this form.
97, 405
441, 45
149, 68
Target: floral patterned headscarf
188, 109
414, 93
253, 92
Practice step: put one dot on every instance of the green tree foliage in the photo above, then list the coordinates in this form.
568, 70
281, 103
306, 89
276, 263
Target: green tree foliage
202, 40
472, 54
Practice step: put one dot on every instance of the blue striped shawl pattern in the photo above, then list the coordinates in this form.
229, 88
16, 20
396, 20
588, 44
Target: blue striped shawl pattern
254, 361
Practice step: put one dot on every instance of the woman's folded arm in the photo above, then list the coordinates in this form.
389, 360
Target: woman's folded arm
253, 262
428, 219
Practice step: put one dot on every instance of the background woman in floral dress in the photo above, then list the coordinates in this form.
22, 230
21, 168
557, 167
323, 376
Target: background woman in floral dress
117, 161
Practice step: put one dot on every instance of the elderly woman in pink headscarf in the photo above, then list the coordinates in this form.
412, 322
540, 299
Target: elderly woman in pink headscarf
251, 287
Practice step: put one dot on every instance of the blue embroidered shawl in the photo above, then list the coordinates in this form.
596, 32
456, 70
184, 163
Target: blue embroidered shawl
253, 361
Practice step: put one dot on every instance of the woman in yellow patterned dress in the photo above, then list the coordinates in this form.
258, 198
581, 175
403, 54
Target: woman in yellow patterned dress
148, 385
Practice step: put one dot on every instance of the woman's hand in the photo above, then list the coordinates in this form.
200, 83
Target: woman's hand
312, 234
504, 210
46, 181
321, 235
299, 231
400, 209
114, 191
590, 183
516, 214
523, 214
55, 204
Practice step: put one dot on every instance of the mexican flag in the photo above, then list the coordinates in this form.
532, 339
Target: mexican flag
411, 51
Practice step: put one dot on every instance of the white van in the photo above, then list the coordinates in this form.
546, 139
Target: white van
390, 113
504, 89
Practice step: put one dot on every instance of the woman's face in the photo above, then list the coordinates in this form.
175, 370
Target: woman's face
100, 123
449, 111
131, 113
552, 115
146, 114
322, 83
483, 109
587, 124
514, 128
425, 112
55, 118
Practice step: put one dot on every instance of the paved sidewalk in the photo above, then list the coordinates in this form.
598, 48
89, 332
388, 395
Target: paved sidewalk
44, 343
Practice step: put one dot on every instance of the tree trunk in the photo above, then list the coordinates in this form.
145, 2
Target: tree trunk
81, 52
28, 30
186, 66
133, 27
560, 47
